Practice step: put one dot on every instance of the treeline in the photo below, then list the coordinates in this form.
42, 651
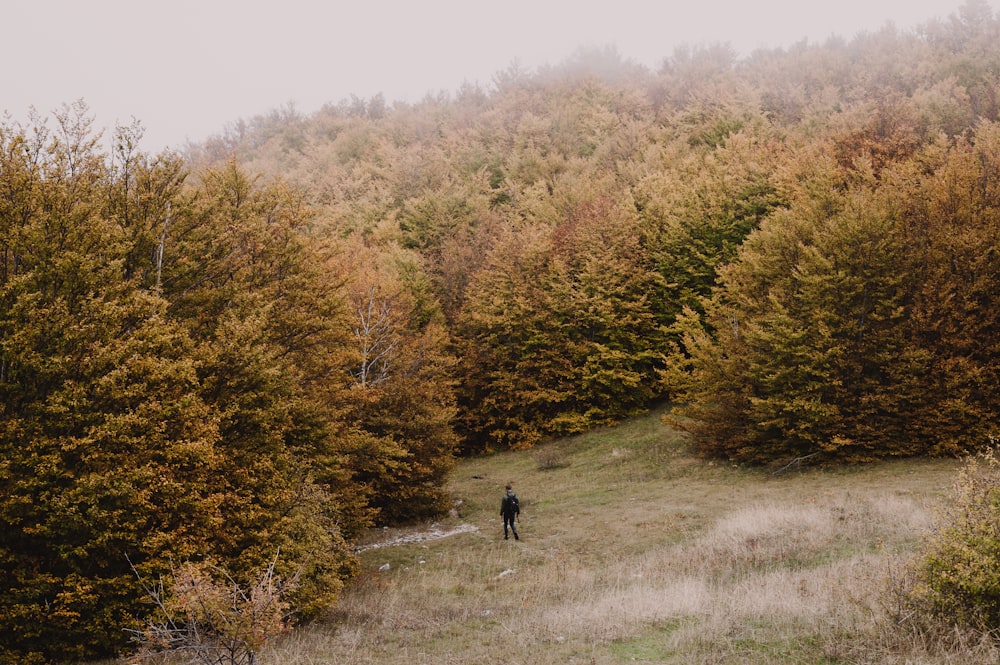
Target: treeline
796, 247
283, 336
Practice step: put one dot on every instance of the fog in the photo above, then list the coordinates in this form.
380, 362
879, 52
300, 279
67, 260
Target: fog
187, 68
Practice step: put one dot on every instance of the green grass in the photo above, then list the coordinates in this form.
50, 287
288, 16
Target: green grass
633, 551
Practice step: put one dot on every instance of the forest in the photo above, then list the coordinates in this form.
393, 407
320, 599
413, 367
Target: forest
262, 345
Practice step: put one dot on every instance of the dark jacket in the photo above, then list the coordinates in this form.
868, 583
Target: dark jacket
510, 506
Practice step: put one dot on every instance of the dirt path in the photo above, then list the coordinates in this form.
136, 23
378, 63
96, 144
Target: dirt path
433, 533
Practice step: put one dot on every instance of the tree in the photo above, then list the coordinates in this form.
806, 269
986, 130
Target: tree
401, 402
134, 425
700, 207
950, 207
820, 301
559, 333
500, 336
859, 323
89, 459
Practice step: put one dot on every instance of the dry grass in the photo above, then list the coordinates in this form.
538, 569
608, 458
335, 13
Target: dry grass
634, 552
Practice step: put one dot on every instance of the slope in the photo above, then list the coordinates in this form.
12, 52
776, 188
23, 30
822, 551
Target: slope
634, 551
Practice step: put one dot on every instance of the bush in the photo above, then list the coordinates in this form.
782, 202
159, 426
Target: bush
956, 579
203, 613
549, 458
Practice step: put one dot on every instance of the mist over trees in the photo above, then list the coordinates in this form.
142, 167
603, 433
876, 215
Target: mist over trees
795, 247
285, 335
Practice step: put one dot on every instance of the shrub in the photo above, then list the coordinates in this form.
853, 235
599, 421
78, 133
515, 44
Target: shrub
549, 458
206, 615
956, 578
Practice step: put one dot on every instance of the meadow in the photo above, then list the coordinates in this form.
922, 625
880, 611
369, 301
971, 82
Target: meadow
633, 551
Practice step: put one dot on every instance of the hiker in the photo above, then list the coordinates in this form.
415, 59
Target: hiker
509, 510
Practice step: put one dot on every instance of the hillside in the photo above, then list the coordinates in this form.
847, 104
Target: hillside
789, 243
294, 332
633, 551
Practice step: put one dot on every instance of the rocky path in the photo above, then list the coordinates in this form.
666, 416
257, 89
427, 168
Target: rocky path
433, 533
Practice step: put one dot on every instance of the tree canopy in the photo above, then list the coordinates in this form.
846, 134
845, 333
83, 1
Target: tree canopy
176, 384
774, 242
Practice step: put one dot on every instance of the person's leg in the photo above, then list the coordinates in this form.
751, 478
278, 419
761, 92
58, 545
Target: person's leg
505, 519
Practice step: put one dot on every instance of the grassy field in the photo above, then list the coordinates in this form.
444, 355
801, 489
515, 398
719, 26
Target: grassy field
632, 551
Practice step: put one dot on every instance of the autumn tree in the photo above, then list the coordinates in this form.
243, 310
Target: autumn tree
501, 343
559, 333
137, 425
400, 403
700, 207
83, 447
856, 325
950, 209
270, 324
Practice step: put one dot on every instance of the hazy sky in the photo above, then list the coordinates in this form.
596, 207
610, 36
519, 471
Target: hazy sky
187, 68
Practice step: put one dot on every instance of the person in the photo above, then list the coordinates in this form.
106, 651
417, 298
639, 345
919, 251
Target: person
510, 508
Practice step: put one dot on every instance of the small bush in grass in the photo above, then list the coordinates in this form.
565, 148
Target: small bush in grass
548, 458
207, 617
956, 578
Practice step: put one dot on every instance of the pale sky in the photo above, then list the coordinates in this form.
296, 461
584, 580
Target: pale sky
187, 68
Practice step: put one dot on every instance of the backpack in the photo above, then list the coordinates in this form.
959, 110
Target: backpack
511, 505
